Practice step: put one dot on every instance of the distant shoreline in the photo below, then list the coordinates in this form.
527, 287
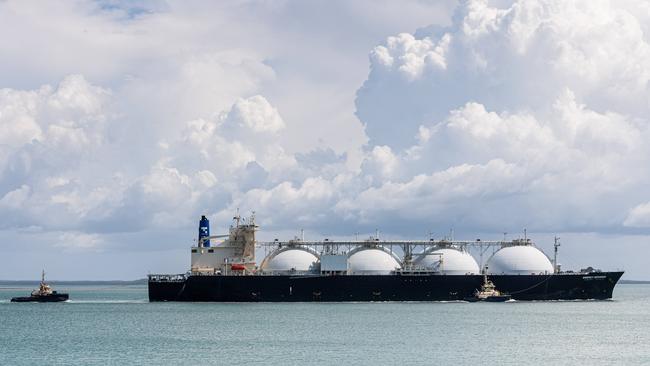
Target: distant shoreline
142, 281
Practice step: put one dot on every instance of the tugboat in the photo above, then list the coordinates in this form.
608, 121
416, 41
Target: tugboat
488, 293
44, 293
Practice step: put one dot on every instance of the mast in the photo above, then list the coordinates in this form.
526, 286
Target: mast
526, 242
237, 218
556, 244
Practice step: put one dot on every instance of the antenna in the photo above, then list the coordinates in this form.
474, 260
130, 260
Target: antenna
556, 244
525, 235
237, 217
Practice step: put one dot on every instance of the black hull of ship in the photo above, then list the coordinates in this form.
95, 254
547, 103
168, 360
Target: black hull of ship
421, 287
44, 298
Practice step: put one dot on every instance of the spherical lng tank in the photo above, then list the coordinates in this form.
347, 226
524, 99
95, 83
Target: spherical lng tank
372, 261
291, 260
448, 261
519, 260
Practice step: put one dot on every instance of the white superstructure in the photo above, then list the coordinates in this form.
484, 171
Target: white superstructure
235, 254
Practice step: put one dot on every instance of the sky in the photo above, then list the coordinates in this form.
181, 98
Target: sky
122, 122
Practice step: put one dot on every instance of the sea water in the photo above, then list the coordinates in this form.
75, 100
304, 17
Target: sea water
116, 325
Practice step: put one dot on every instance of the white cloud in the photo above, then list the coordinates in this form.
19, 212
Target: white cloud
307, 204
75, 94
545, 88
437, 197
448, 111
166, 185
78, 241
68, 118
247, 132
17, 113
79, 203
410, 56
381, 162
639, 216
206, 178
532, 114
523, 55
16, 198
256, 114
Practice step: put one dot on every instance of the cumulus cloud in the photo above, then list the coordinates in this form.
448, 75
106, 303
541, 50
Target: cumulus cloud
381, 163
409, 56
78, 241
232, 142
256, 114
61, 168
639, 216
527, 114
539, 106
505, 106
442, 199
48, 132
496, 123
75, 103
506, 58
16, 199
307, 204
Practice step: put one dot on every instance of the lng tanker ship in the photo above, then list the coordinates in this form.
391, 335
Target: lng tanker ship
369, 270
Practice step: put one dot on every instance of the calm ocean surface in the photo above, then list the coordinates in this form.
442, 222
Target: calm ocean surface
115, 325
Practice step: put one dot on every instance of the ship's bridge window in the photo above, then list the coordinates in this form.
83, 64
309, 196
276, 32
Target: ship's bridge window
210, 250
194, 250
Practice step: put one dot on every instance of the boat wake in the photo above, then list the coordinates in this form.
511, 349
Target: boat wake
108, 301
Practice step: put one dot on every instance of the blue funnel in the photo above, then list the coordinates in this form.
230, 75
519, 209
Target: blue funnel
204, 231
